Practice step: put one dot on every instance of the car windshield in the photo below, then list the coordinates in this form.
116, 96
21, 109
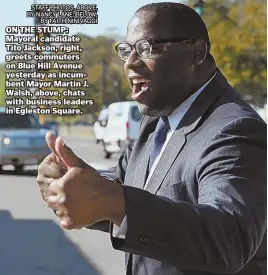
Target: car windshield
18, 122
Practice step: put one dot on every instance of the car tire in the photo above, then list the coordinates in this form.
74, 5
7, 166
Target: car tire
18, 169
107, 154
97, 141
1, 168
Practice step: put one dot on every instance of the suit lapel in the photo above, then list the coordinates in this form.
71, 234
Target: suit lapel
173, 148
141, 152
188, 124
140, 172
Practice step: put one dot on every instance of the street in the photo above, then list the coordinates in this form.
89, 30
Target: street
31, 239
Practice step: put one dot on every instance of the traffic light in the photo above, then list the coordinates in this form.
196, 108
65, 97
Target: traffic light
199, 7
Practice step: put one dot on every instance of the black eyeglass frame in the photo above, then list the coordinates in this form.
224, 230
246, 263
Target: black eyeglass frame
151, 42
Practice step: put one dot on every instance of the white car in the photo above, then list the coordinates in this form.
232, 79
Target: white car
122, 127
100, 124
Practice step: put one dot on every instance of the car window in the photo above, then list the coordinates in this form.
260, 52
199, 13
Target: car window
18, 122
135, 113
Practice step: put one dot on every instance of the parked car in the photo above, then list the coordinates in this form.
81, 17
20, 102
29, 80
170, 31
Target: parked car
122, 127
99, 125
22, 141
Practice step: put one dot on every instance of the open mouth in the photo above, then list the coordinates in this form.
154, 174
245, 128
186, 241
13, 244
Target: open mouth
140, 86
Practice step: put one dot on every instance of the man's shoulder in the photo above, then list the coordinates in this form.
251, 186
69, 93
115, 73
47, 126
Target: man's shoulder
227, 107
227, 103
230, 106
230, 116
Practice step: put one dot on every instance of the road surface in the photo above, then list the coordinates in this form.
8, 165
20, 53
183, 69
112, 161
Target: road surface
31, 240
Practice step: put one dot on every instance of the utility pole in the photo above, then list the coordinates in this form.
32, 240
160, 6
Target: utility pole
37, 22
32, 89
117, 85
104, 81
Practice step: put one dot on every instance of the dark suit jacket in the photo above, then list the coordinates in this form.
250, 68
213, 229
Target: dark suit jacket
204, 209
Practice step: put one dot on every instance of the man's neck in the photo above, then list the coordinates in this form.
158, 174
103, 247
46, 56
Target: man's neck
192, 96
202, 78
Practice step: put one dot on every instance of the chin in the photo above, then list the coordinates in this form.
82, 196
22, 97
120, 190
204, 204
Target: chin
150, 111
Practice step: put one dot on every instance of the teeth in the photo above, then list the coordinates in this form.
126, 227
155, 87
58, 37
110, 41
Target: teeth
140, 80
144, 88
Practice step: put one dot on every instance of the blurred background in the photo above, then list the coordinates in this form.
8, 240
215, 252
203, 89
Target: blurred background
31, 240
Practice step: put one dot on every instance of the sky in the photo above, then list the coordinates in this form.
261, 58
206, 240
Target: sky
112, 13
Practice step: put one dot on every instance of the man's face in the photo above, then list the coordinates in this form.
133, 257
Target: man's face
161, 82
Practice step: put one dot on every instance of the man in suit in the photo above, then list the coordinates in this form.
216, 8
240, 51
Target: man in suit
189, 198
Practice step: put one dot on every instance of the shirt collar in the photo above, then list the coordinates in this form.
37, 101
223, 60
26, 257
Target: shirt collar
176, 116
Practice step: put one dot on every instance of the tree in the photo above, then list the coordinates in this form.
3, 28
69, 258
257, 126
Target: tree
2, 85
238, 34
98, 53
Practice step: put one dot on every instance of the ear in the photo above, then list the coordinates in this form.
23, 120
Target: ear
200, 51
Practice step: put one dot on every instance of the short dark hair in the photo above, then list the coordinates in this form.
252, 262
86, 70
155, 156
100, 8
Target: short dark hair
181, 15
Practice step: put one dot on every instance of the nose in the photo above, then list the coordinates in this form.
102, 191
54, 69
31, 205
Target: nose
133, 61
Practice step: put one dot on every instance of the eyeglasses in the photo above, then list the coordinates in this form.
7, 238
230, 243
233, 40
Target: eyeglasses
143, 46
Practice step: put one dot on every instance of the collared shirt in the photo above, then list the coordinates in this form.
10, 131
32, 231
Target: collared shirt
174, 120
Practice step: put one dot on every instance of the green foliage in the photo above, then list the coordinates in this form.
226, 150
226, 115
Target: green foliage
2, 85
104, 70
105, 88
238, 34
